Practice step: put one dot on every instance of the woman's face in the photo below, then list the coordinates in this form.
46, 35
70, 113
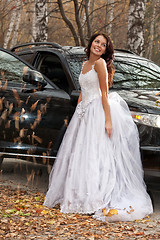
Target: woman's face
98, 46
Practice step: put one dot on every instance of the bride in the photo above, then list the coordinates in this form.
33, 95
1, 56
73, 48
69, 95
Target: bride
98, 168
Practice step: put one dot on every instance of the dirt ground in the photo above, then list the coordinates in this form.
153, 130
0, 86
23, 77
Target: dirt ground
23, 216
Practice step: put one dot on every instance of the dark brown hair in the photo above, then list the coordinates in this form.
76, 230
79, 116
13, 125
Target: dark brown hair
108, 56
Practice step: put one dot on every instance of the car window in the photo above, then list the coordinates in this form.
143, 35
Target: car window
11, 68
75, 64
51, 67
130, 71
28, 57
136, 73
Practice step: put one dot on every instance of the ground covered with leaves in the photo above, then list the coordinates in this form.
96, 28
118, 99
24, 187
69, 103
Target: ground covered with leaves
23, 216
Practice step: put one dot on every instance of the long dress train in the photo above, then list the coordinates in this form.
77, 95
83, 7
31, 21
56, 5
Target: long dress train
96, 174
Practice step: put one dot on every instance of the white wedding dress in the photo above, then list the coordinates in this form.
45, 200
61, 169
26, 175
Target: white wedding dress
94, 173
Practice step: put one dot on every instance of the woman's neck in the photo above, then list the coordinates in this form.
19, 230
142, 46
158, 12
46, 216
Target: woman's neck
93, 58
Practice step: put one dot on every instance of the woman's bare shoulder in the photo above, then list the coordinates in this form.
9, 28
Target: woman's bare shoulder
100, 64
100, 61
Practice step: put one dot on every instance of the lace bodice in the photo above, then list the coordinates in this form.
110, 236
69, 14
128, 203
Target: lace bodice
89, 83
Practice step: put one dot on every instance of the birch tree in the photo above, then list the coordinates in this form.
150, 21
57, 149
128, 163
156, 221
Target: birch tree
40, 21
11, 23
17, 24
136, 26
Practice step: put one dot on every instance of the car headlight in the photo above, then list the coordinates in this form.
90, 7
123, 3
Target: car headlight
146, 119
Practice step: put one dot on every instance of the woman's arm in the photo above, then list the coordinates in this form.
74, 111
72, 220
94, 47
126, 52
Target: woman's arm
100, 67
80, 98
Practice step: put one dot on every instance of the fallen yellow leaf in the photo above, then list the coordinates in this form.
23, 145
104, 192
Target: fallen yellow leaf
27, 223
51, 222
112, 212
44, 212
37, 198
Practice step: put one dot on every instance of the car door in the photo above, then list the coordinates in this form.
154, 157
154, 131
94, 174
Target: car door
53, 66
33, 116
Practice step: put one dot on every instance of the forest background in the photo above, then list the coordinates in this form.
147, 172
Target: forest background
132, 24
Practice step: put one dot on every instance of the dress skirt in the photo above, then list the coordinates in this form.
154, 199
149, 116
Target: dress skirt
95, 174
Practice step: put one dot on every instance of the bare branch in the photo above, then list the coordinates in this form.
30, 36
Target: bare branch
79, 22
87, 17
68, 22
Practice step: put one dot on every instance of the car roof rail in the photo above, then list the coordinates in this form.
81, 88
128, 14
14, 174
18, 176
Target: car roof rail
124, 50
55, 45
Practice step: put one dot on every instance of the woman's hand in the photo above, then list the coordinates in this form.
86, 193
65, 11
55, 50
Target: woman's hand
108, 127
80, 98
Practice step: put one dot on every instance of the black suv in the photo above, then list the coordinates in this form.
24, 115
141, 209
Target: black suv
45, 110
34, 112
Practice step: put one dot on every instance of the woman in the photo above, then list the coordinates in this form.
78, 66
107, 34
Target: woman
98, 168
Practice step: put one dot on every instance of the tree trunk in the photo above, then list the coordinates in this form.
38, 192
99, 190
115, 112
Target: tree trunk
40, 21
18, 18
151, 36
92, 6
68, 22
34, 29
106, 17
11, 25
87, 17
136, 26
110, 4
79, 25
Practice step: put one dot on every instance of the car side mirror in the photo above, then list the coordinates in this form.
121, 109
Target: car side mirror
33, 77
